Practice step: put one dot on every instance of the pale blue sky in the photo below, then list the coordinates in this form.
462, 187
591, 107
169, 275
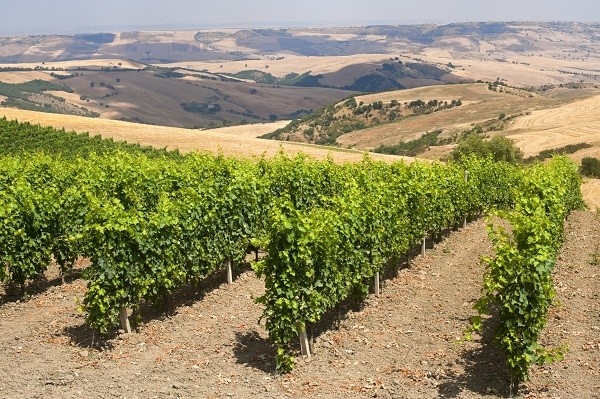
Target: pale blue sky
67, 16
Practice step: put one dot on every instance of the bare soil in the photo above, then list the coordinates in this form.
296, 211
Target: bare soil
404, 344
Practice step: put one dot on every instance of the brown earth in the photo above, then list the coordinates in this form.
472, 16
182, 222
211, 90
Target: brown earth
144, 97
404, 344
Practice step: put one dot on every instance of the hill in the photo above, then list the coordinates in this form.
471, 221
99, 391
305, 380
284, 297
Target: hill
209, 78
160, 96
536, 120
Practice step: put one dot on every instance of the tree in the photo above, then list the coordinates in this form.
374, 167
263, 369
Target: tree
272, 117
92, 84
503, 149
499, 148
590, 167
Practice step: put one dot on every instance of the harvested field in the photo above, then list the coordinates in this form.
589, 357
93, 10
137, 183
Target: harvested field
591, 193
289, 63
92, 64
22, 77
576, 122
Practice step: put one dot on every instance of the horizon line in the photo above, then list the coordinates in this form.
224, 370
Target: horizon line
261, 25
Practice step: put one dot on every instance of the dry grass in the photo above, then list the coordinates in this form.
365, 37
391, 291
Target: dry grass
290, 63
526, 71
21, 77
593, 152
92, 64
571, 123
465, 92
251, 131
591, 193
234, 142
479, 105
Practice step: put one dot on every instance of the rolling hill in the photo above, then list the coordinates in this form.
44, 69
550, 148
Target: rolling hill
535, 120
211, 78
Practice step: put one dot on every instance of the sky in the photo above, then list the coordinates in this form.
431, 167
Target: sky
75, 16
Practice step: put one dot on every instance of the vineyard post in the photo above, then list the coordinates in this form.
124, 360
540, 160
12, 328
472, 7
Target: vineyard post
423, 246
229, 272
377, 283
304, 348
124, 320
466, 181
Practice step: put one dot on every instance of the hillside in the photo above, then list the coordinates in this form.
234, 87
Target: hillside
357, 114
536, 120
211, 78
157, 96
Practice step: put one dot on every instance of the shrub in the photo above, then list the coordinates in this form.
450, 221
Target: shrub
499, 148
350, 103
590, 167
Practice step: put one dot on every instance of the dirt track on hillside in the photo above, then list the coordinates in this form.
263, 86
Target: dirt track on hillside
404, 344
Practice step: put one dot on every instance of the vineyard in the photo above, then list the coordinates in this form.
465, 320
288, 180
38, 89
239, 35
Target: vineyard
151, 222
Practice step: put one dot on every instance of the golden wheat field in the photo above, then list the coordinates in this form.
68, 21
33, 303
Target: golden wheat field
23, 76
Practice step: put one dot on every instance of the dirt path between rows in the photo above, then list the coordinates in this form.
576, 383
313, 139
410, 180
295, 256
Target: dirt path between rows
403, 344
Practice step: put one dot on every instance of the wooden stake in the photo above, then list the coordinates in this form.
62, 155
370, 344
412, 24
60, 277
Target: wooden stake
124, 320
377, 283
304, 348
229, 272
423, 247
466, 181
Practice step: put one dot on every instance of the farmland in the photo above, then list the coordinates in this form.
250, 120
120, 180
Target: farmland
381, 263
